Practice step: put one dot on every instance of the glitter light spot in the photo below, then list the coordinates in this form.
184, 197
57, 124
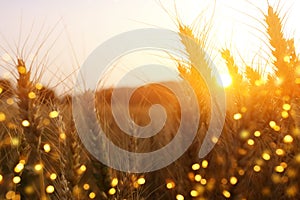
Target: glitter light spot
86, 186
257, 134
38, 86
272, 124
204, 164
284, 114
241, 172
197, 177
256, 168
2, 117
47, 148
50, 189
16, 179
288, 139
19, 167
22, 69
250, 142
10, 195
179, 197
280, 152
226, 194
237, 116
196, 166
62, 136
287, 59
170, 184
266, 156
114, 182
233, 180
286, 107
92, 195
279, 169
82, 168
141, 181
10, 101
53, 176
214, 139
203, 181
194, 193
53, 114
31, 95
25, 123
38, 167
276, 128
112, 191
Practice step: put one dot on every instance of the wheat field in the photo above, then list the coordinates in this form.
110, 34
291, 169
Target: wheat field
256, 157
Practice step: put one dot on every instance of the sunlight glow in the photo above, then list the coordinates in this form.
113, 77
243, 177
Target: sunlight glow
226, 80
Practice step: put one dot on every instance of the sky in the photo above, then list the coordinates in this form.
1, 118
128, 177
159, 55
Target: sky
77, 27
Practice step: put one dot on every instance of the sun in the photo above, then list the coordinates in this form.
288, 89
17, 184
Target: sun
225, 81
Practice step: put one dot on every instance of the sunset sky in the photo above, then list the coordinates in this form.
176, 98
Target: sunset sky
80, 26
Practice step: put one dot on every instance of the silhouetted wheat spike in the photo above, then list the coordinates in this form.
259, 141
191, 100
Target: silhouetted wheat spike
65, 191
282, 49
194, 47
71, 144
98, 174
27, 110
233, 69
253, 76
238, 91
28, 119
25, 104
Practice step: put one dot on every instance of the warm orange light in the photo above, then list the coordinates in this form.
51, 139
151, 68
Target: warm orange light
237, 116
226, 80
170, 184
197, 177
2, 117
194, 193
256, 168
53, 176
179, 197
92, 195
114, 182
288, 139
112, 191
25, 123
233, 180
141, 181
204, 164
195, 166
266, 156
226, 194
50, 189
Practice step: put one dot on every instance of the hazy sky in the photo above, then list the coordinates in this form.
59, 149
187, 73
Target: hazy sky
80, 26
